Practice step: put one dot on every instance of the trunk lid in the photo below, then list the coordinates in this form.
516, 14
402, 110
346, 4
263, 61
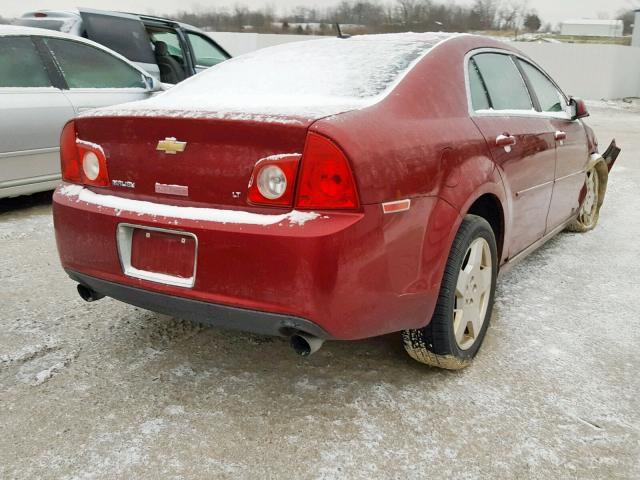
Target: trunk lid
216, 163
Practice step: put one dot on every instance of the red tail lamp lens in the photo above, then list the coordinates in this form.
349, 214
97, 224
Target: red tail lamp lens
326, 181
273, 181
80, 161
69, 158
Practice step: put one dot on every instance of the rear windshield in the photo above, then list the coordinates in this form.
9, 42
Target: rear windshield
326, 71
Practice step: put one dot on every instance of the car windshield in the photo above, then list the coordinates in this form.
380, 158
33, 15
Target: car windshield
330, 73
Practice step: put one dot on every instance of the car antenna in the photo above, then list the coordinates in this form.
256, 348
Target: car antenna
340, 34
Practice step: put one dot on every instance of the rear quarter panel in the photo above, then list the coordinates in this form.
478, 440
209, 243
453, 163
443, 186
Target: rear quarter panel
419, 143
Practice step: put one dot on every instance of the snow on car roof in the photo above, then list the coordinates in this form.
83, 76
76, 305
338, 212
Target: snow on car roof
11, 30
306, 79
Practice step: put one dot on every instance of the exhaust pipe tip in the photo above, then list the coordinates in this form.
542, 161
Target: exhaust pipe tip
305, 345
88, 294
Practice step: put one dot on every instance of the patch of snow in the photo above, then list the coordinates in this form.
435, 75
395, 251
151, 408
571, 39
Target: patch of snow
28, 352
174, 410
532, 112
91, 145
299, 120
152, 427
280, 155
183, 371
38, 370
82, 194
304, 79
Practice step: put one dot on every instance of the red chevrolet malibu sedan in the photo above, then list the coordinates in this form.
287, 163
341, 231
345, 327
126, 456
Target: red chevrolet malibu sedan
331, 189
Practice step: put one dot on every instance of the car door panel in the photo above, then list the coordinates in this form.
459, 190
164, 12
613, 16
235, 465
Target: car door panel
522, 143
31, 123
32, 114
84, 100
572, 156
528, 169
571, 145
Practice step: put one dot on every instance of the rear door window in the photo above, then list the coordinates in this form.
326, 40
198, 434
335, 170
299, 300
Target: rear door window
21, 65
124, 34
549, 97
505, 86
479, 96
206, 53
85, 66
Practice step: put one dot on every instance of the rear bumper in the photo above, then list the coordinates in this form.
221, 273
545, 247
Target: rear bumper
224, 316
348, 275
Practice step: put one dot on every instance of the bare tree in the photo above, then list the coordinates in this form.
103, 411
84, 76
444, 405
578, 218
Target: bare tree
483, 15
375, 16
511, 15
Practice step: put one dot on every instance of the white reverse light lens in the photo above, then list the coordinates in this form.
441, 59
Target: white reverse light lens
91, 165
272, 182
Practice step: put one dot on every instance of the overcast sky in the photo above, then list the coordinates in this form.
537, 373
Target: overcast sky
553, 11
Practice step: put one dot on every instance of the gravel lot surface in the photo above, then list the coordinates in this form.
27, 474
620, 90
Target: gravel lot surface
106, 390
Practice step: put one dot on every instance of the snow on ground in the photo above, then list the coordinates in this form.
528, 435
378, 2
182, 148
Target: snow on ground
106, 390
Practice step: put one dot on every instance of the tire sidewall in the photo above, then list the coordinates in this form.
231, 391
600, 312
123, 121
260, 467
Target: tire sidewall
480, 228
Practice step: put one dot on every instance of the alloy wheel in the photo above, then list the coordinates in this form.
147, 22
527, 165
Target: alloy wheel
473, 290
589, 210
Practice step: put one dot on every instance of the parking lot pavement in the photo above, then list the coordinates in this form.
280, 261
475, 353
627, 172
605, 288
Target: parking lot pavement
106, 390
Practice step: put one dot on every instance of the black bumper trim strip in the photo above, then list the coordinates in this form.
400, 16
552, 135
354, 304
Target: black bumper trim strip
224, 316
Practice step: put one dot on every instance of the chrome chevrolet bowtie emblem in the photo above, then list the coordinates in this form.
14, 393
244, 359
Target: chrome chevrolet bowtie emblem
171, 146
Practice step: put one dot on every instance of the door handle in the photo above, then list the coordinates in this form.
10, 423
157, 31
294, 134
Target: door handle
505, 140
560, 135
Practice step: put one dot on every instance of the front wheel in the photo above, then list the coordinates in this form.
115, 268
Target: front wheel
463, 309
589, 214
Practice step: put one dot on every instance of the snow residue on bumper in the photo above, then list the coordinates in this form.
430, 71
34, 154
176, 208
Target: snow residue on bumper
139, 207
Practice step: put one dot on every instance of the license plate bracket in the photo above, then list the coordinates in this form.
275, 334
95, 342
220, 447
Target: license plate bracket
158, 255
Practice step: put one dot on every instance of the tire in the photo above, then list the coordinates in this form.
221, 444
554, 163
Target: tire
589, 213
438, 344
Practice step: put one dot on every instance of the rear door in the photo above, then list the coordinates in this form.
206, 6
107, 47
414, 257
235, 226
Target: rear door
94, 77
572, 152
521, 142
32, 114
123, 33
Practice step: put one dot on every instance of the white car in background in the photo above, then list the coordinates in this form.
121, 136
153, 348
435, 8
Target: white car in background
46, 78
170, 51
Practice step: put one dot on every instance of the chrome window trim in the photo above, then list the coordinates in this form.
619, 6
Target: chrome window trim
124, 237
510, 113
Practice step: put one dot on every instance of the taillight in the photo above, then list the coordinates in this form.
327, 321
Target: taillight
326, 181
82, 162
69, 157
273, 180
94, 164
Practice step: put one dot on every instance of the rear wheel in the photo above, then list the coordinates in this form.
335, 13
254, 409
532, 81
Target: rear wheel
589, 213
463, 310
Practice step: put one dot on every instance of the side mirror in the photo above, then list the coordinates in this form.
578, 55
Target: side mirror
155, 85
577, 108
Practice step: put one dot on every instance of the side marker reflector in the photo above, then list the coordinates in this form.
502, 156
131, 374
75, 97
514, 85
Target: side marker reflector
397, 206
